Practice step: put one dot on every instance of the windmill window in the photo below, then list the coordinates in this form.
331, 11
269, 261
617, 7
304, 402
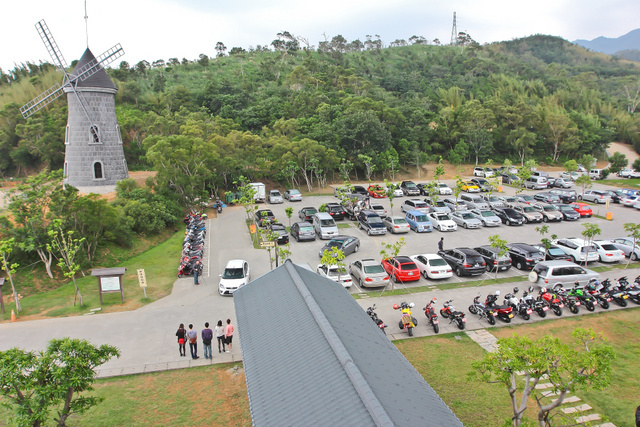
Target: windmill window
97, 170
95, 134
66, 169
66, 134
119, 136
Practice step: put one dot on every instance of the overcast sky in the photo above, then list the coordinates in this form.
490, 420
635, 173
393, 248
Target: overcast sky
161, 29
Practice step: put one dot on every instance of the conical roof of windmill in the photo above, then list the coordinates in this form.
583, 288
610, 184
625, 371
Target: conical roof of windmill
100, 79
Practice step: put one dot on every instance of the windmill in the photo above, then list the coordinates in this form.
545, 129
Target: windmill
93, 155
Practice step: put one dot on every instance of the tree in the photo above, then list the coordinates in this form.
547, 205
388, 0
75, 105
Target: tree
588, 161
564, 366
476, 123
6, 247
289, 211
636, 164
584, 182
334, 256
543, 230
571, 166
590, 231
220, 49
34, 384
392, 251
65, 248
501, 246
618, 162
634, 232
367, 161
390, 188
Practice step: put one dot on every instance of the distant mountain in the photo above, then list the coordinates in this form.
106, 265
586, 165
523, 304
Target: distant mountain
628, 42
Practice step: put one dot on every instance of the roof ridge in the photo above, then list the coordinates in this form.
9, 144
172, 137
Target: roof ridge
375, 408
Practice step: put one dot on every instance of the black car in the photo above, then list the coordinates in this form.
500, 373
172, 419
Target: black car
509, 178
371, 221
359, 189
568, 213
553, 253
567, 196
265, 217
482, 184
306, 213
464, 261
524, 256
424, 189
409, 188
616, 195
547, 197
493, 259
347, 244
336, 210
509, 216
281, 231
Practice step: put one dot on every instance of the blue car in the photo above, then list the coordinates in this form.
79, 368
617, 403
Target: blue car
418, 222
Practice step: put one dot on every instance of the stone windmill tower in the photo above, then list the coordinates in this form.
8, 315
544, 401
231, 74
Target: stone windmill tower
93, 145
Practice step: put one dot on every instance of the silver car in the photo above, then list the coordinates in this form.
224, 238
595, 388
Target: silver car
456, 204
529, 213
487, 217
466, 220
494, 201
627, 245
275, 197
549, 212
595, 196
437, 205
368, 272
396, 224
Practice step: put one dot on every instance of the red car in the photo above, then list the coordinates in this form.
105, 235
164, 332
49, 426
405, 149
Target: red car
582, 208
376, 191
401, 268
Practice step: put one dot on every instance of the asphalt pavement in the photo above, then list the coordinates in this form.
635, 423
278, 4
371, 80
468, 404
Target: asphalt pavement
146, 337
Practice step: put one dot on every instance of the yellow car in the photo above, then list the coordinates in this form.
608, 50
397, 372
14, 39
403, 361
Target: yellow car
469, 187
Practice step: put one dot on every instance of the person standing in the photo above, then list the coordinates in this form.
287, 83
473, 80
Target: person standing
441, 244
193, 342
228, 334
197, 270
207, 336
220, 330
182, 338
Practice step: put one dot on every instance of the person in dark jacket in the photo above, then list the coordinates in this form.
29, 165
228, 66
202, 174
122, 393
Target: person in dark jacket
182, 339
207, 337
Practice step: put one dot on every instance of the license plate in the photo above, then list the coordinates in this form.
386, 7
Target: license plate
595, 303
435, 322
577, 304
409, 274
545, 308
503, 268
477, 265
561, 305
529, 311
510, 315
625, 296
464, 320
494, 314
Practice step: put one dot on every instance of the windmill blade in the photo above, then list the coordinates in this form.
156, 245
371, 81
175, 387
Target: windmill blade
51, 45
41, 101
92, 67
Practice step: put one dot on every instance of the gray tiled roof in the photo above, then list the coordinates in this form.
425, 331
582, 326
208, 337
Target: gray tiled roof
100, 79
312, 356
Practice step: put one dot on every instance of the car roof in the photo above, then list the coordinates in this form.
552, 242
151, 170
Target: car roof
304, 224
403, 259
467, 251
235, 263
341, 237
414, 212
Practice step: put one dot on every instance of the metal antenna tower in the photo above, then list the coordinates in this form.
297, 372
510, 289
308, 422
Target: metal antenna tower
454, 31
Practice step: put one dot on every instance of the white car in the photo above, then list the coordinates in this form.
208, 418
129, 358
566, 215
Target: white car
335, 273
397, 192
444, 189
275, 197
442, 221
432, 266
625, 173
629, 200
608, 252
487, 217
396, 224
466, 219
578, 249
235, 275
293, 195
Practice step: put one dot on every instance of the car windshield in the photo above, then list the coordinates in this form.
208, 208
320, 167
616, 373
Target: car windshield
400, 221
232, 273
410, 185
467, 216
442, 217
529, 209
327, 223
408, 266
493, 199
373, 269
294, 192
307, 228
437, 262
275, 193
334, 271
374, 219
422, 218
442, 185
487, 213
335, 243
556, 252
526, 197
420, 205
608, 247
550, 208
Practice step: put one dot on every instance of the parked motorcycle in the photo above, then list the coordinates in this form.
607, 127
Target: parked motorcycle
518, 305
585, 298
374, 316
539, 306
483, 311
449, 312
218, 205
430, 312
554, 302
618, 295
633, 290
569, 300
596, 290
407, 321
503, 312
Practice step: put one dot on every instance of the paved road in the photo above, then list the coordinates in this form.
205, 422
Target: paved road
146, 337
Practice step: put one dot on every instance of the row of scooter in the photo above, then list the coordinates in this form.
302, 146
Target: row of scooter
193, 244
594, 293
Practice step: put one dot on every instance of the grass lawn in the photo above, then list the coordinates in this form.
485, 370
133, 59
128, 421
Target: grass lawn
623, 182
160, 264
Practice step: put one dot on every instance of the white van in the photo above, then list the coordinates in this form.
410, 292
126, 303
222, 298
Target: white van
595, 174
536, 183
324, 225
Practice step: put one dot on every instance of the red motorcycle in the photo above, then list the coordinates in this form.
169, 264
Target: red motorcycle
431, 314
503, 312
552, 300
449, 312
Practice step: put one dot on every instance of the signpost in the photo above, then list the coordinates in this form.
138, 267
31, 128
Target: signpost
142, 279
1, 298
109, 280
267, 245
